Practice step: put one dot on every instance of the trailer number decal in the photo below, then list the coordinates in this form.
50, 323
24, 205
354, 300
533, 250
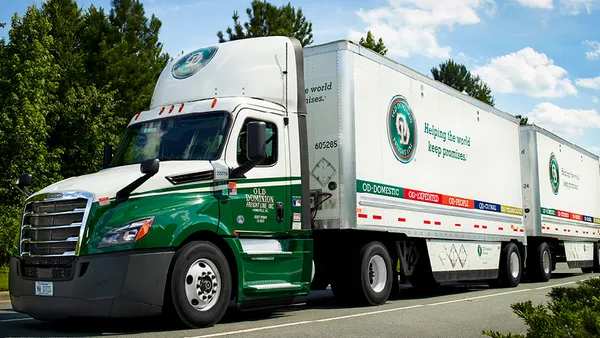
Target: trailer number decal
401, 129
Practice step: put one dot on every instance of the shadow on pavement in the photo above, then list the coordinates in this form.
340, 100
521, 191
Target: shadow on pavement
18, 325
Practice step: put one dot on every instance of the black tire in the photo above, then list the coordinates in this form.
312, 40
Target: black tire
183, 260
505, 277
537, 269
587, 270
596, 267
375, 264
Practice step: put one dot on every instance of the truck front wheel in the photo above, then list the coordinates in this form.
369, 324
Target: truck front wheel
200, 284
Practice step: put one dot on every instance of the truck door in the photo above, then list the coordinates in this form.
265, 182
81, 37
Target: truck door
261, 201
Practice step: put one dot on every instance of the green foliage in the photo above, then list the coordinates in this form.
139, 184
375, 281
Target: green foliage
69, 82
458, 77
571, 312
4, 278
370, 43
524, 120
266, 19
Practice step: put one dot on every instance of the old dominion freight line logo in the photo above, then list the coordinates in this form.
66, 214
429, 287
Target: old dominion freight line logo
554, 174
193, 62
401, 129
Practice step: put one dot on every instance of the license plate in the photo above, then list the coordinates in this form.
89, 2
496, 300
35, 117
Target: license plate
44, 289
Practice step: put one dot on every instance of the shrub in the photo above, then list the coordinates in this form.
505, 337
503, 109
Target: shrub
571, 312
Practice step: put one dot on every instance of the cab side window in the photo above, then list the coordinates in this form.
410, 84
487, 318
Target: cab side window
271, 147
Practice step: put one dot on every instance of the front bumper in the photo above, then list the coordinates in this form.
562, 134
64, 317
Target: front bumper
123, 284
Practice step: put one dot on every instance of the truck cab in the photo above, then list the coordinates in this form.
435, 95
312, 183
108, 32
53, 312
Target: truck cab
202, 202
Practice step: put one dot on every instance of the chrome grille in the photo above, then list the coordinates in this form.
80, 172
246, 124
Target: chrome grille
50, 232
53, 223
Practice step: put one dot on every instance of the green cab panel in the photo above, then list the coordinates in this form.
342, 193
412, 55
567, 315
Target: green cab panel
272, 268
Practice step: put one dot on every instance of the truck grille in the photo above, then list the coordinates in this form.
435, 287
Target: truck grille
50, 232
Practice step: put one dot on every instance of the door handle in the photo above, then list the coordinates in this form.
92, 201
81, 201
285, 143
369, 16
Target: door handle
279, 212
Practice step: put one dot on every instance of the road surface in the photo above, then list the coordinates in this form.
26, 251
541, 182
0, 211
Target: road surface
453, 311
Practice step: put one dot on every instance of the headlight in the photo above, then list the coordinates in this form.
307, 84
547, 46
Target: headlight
127, 234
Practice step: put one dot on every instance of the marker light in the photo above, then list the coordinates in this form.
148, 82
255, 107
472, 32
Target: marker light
171, 109
162, 110
214, 103
138, 115
128, 233
181, 108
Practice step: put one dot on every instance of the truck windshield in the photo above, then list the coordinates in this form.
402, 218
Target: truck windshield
188, 137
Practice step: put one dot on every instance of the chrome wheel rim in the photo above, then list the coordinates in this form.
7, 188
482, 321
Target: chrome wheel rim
377, 273
546, 261
202, 284
514, 265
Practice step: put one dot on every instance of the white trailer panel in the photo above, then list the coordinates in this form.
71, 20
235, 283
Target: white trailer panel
400, 152
560, 187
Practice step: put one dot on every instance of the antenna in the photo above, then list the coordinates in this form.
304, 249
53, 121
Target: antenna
286, 79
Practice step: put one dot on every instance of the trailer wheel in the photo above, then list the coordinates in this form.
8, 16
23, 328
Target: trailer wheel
540, 267
376, 275
596, 268
511, 266
200, 284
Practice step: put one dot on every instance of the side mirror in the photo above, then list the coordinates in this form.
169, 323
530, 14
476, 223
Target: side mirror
257, 142
107, 155
256, 148
150, 166
23, 181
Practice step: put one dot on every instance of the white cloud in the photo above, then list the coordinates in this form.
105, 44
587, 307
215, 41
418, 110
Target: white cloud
537, 3
567, 122
594, 54
594, 149
574, 7
527, 72
595, 99
590, 83
410, 26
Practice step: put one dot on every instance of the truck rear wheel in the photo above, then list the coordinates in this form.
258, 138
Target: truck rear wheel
540, 263
200, 284
511, 267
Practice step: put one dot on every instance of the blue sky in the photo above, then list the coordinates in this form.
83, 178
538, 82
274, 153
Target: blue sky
540, 57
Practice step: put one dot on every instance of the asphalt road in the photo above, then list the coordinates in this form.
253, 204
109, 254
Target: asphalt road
453, 311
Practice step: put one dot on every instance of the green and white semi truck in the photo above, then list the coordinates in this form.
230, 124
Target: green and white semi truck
268, 170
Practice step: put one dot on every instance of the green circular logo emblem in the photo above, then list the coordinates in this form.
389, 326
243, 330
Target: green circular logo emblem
554, 174
193, 62
479, 250
401, 129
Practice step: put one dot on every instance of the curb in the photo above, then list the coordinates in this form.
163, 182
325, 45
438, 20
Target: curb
4, 296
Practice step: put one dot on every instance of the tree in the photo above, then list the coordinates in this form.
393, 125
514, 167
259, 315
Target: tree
69, 81
524, 120
129, 57
370, 43
266, 19
458, 77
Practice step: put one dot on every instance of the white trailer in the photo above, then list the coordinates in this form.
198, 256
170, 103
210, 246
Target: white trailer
400, 159
561, 199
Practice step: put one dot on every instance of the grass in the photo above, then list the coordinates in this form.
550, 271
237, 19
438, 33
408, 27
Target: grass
4, 278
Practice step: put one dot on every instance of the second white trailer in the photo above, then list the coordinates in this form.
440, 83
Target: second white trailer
561, 199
